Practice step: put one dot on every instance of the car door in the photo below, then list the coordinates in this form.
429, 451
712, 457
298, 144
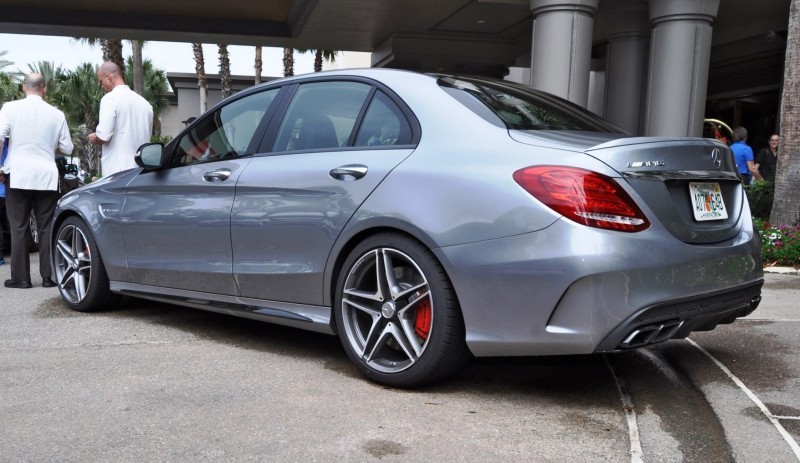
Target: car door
335, 143
177, 219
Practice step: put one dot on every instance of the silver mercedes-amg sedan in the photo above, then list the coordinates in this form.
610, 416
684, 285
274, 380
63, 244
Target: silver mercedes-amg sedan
424, 219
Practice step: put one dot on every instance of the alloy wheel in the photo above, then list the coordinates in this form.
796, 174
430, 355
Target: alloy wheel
73, 263
387, 310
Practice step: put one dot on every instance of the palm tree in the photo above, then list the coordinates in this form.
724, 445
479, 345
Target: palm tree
3, 62
50, 72
47, 69
10, 88
319, 56
785, 210
225, 70
258, 64
112, 49
79, 96
138, 68
288, 62
202, 81
154, 90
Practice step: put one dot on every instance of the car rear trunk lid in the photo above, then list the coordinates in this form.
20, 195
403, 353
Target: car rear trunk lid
685, 182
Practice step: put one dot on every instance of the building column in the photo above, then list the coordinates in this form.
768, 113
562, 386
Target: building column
562, 47
680, 52
626, 62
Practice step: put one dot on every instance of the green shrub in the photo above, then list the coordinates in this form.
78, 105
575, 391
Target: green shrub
163, 139
780, 245
760, 194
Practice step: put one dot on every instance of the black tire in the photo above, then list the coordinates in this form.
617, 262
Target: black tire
382, 319
79, 269
33, 236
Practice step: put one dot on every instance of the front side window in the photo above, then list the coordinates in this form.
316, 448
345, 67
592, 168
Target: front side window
321, 116
226, 132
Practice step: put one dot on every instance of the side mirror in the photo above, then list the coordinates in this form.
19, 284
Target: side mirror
150, 155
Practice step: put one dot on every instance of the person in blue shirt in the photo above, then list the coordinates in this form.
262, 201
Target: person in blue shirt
743, 155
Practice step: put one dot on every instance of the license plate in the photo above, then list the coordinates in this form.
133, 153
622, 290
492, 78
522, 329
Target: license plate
707, 202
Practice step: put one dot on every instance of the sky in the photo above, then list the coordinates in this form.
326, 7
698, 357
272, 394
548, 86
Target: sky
167, 56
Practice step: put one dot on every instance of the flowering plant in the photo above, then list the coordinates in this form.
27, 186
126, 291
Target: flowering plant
780, 244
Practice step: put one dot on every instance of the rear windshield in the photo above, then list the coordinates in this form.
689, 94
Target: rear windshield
522, 108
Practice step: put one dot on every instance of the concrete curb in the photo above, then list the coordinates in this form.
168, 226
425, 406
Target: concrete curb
782, 270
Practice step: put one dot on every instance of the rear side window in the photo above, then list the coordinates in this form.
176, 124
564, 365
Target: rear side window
384, 124
523, 108
321, 116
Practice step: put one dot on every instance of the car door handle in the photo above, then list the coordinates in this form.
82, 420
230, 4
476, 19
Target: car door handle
350, 172
218, 175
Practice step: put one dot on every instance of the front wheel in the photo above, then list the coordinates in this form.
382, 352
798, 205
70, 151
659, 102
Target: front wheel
80, 274
397, 314
33, 236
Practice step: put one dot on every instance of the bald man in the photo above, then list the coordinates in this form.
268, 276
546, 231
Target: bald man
36, 131
126, 121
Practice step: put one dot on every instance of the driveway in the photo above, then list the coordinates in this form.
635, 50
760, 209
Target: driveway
155, 382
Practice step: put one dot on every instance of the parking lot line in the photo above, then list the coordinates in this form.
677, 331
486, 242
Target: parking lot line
773, 419
637, 453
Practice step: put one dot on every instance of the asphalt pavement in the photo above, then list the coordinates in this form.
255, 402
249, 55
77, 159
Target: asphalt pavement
155, 382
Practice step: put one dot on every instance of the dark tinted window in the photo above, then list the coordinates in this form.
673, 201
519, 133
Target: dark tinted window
384, 124
523, 108
321, 115
226, 132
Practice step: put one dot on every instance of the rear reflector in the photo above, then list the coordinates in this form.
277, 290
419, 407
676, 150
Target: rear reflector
583, 196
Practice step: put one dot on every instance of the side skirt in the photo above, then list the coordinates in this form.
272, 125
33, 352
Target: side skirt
306, 317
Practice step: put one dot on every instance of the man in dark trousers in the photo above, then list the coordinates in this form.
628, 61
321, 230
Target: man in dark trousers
2, 206
36, 131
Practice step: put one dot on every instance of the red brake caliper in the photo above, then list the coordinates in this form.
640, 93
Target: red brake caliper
422, 322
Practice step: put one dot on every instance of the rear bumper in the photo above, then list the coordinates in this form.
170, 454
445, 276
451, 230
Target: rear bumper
676, 319
569, 289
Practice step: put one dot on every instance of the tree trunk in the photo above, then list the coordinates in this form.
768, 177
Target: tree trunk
202, 82
786, 205
318, 60
138, 69
112, 51
156, 126
93, 151
259, 64
224, 71
288, 62
105, 47
116, 57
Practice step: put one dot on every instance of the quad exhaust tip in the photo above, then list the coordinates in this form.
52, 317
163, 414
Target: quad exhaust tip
651, 334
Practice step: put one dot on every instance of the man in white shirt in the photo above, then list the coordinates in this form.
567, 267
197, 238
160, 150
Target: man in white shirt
36, 131
126, 121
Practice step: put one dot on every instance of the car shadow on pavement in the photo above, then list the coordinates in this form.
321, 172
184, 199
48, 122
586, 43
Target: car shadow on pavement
581, 380
240, 332
573, 377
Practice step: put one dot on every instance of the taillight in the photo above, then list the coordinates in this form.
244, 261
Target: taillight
583, 196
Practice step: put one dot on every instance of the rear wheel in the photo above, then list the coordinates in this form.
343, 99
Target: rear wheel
80, 274
397, 314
